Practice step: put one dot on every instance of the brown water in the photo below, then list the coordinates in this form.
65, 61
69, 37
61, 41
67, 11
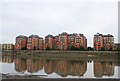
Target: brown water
60, 67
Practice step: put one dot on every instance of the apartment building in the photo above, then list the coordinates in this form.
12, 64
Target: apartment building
49, 41
10, 46
71, 40
6, 46
34, 42
105, 41
108, 41
80, 40
63, 41
56, 42
40, 43
21, 42
116, 46
98, 41
77, 40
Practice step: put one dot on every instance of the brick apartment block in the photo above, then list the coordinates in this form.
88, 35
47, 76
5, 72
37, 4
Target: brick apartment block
106, 41
49, 41
62, 41
21, 42
6, 46
34, 42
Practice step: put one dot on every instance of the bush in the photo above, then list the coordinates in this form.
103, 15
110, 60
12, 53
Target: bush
24, 48
102, 49
81, 48
110, 49
118, 49
72, 48
35, 48
90, 49
48, 48
76, 48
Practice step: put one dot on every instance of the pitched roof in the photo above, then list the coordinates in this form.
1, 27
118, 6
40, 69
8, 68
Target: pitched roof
98, 34
49, 35
34, 36
108, 35
21, 36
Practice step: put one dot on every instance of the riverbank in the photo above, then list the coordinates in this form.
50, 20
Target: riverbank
67, 55
59, 52
7, 77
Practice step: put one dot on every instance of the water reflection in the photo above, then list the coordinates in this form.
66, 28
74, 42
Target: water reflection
61, 67
102, 68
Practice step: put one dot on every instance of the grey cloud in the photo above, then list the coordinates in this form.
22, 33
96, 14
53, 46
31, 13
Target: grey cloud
54, 17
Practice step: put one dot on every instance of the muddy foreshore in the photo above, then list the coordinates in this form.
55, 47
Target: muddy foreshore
6, 77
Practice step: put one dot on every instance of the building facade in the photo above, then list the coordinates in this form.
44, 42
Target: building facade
116, 46
6, 46
98, 41
10, 46
21, 42
106, 41
62, 41
40, 43
77, 40
49, 41
34, 42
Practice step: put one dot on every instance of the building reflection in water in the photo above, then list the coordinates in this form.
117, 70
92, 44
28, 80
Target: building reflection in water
103, 68
31, 65
20, 64
34, 65
7, 59
61, 67
65, 67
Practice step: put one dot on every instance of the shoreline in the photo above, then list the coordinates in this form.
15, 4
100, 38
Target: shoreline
66, 55
8, 76
60, 52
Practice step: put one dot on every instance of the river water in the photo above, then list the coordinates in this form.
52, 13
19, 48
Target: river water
60, 68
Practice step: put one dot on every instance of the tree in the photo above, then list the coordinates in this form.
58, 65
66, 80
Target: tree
90, 49
81, 48
102, 49
110, 49
24, 48
76, 48
118, 49
72, 48
35, 48
48, 48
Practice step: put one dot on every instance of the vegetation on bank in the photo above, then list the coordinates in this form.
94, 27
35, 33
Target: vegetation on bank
58, 52
81, 48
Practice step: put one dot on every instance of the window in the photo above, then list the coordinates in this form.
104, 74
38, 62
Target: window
17, 41
29, 40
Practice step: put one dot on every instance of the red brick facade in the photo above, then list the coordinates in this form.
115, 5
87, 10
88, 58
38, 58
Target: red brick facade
77, 40
49, 42
61, 42
34, 42
21, 42
105, 41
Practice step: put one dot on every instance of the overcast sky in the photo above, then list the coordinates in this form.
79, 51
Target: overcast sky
23, 17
